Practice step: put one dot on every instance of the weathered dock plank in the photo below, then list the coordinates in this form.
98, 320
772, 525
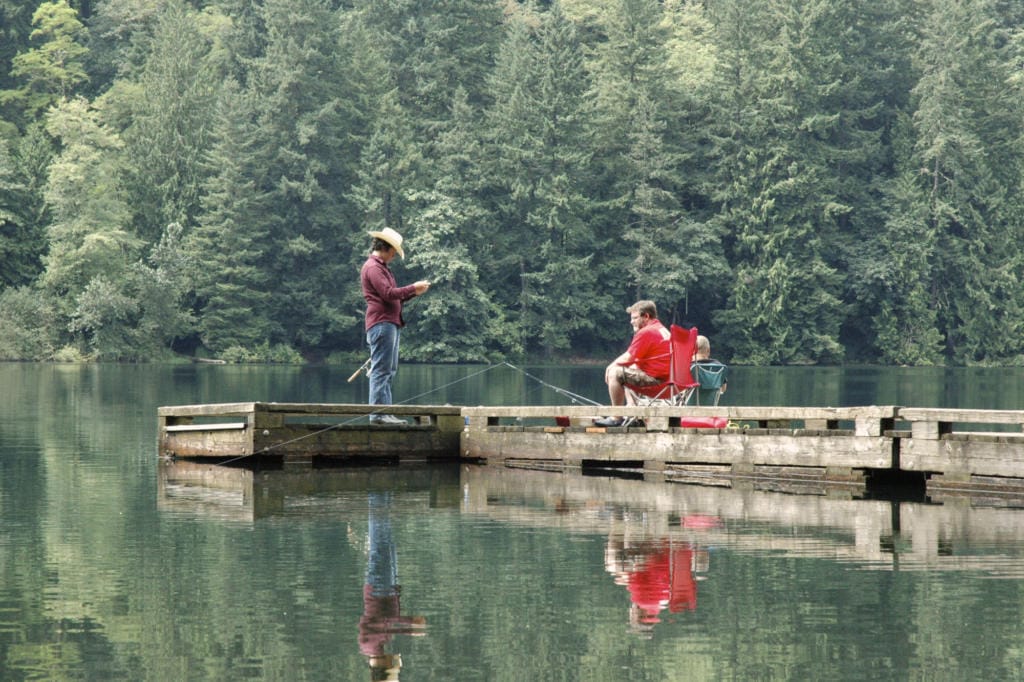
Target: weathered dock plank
957, 449
679, 446
174, 428
962, 415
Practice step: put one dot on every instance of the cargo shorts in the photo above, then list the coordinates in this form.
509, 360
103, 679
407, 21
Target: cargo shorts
632, 376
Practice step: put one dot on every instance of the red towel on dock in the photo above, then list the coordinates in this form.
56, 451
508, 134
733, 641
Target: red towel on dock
704, 422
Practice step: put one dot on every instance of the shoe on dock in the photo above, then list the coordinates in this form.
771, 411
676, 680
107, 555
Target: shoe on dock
386, 419
609, 421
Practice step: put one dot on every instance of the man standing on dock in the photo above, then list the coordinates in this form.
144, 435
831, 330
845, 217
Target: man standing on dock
384, 320
646, 362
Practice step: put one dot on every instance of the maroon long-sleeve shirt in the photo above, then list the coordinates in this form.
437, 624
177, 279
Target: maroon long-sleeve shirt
383, 295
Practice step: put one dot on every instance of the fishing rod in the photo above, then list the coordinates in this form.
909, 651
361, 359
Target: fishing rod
359, 371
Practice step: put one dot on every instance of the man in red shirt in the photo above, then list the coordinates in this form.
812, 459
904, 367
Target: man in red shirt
647, 361
384, 321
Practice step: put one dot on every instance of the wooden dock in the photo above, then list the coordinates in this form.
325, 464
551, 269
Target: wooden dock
835, 444
296, 433
951, 449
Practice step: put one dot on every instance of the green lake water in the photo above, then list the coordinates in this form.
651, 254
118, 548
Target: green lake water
114, 565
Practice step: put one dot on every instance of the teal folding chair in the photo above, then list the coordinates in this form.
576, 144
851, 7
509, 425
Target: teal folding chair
712, 376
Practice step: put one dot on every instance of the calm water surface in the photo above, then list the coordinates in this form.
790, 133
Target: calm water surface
116, 566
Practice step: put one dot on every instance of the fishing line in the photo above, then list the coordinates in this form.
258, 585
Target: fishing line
452, 383
575, 397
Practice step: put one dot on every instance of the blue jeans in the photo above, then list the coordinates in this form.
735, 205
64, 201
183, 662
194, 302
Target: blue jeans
383, 340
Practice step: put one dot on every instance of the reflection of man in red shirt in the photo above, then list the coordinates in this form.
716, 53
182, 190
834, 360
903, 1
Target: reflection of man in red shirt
382, 616
657, 575
663, 579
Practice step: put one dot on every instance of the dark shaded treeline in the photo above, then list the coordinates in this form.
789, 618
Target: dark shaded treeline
805, 180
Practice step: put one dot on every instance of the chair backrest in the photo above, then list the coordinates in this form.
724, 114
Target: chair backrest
684, 343
711, 376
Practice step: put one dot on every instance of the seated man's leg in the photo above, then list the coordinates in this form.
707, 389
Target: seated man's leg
614, 376
636, 378
618, 378
630, 395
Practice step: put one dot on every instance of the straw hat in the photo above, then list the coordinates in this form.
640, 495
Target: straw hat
391, 237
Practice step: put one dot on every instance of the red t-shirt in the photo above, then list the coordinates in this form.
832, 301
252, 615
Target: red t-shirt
650, 350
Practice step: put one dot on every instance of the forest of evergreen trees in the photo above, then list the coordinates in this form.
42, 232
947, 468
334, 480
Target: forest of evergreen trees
807, 181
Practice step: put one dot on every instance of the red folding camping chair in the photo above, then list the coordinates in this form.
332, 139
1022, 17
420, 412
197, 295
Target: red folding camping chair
681, 384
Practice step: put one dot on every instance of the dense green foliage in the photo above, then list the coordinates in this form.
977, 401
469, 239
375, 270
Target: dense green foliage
807, 181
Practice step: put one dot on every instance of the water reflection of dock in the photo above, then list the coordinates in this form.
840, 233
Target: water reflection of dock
865, 533
869, 534
239, 494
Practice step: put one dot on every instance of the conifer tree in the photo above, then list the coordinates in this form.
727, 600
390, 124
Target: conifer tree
389, 161
15, 26
55, 67
233, 288
23, 213
18, 257
905, 322
413, 59
663, 247
540, 122
119, 40
504, 167
170, 107
794, 148
459, 321
969, 177
89, 235
300, 89
432, 50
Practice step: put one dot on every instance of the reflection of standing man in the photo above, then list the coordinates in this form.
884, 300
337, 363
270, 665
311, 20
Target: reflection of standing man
382, 619
384, 321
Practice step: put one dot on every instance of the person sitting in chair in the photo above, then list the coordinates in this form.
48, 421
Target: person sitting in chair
712, 375
645, 363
